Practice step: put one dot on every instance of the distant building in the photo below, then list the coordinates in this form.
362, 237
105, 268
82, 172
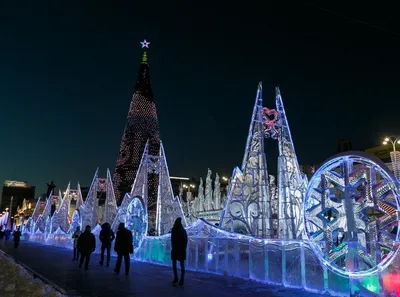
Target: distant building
13, 195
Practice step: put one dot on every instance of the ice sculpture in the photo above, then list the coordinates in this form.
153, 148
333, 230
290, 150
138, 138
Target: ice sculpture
217, 192
168, 207
200, 206
247, 208
76, 221
35, 213
79, 199
136, 221
273, 194
351, 210
110, 207
3, 219
209, 204
395, 158
291, 182
88, 210
42, 219
60, 217
139, 190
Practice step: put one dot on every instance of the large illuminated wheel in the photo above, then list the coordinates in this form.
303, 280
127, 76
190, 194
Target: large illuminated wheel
136, 221
351, 214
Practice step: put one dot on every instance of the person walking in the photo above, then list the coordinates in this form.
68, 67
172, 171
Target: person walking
123, 246
179, 241
106, 237
86, 246
75, 236
17, 237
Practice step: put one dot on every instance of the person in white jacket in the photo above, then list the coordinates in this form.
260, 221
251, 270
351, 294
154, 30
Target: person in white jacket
75, 236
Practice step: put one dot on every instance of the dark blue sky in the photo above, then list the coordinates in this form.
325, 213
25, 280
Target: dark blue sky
68, 70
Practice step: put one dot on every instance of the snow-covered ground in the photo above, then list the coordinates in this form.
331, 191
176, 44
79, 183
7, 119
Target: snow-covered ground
15, 280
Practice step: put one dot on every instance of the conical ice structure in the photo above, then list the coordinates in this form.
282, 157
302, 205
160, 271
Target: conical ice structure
88, 211
79, 199
141, 126
35, 213
247, 206
60, 217
169, 208
41, 221
110, 207
291, 184
139, 189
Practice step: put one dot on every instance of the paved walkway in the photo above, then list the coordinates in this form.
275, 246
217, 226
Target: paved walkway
145, 279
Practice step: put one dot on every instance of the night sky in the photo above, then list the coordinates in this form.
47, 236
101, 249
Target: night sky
68, 71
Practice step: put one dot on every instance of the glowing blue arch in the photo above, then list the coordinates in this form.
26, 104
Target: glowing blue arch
351, 213
76, 221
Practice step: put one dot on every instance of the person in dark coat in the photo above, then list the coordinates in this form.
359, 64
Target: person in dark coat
106, 237
123, 246
17, 237
179, 241
86, 246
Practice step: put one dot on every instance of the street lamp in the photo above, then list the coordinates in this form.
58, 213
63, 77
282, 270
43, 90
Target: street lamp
393, 140
394, 155
224, 178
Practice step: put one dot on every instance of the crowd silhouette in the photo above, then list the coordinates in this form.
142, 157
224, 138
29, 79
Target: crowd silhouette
84, 244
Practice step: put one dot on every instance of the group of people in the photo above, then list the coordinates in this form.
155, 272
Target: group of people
85, 245
16, 236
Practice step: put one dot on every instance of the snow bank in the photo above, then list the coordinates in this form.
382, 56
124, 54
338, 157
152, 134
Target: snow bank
15, 280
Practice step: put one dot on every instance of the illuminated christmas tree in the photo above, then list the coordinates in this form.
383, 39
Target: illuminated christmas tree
141, 126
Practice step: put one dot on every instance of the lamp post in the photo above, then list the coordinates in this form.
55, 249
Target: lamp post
394, 155
188, 197
188, 187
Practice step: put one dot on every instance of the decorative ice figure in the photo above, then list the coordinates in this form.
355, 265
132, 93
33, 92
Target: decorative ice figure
136, 221
217, 192
247, 207
200, 197
28, 226
41, 221
110, 207
169, 208
139, 190
208, 205
47, 229
351, 212
291, 184
79, 199
36, 211
60, 217
88, 210
76, 221
273, 193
